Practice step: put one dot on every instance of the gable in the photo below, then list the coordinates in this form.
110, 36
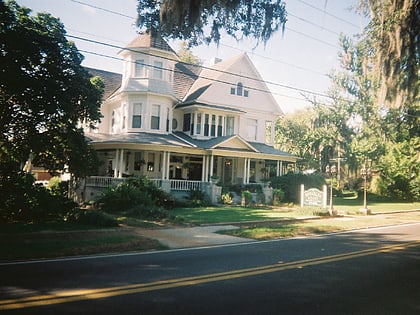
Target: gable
223, 76
234, 143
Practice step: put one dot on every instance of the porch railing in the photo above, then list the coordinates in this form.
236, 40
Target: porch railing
176, 184
103, 181
180, 184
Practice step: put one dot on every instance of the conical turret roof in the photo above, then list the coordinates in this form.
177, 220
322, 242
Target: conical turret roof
150, 39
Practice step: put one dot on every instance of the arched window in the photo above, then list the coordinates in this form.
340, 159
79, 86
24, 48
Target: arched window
239, 89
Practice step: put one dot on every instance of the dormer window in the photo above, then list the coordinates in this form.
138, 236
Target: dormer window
239, 90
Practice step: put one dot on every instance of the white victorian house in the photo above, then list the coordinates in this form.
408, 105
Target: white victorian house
183, 125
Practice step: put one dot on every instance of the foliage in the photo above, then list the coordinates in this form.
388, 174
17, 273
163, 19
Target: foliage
373, 118
185, 55
138, 195
394, 49
278, 196
44, 93
399, 170
246, 197
91, 217
290, 184
197, 198
22, 201
188, 19
227, 198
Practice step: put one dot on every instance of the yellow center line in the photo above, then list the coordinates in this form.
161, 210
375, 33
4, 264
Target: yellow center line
79, 295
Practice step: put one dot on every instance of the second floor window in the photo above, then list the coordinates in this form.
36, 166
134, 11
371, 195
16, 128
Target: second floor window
137, 109
206, 124
213, 125
155, 119
252, 125
230, 126
198, 125
187, 122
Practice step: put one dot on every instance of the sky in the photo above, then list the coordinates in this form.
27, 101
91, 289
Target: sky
294, 64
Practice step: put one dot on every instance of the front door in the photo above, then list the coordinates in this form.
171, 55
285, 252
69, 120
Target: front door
228, 171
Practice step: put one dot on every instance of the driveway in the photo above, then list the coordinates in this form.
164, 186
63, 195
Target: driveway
200, 236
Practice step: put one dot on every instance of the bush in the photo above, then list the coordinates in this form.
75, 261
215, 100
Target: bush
197, 198
227, 198
91, 217
23, 201
290, 184
136, 195
246, 198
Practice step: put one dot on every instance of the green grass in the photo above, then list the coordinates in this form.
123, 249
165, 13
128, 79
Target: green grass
227, 214
351, 205
224, 214
56, 239
327, 225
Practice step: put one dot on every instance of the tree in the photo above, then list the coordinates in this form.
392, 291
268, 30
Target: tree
44, 93
185, 55
393, 38
188, 19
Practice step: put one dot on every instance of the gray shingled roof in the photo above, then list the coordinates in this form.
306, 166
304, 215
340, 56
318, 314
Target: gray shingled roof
210, 143
149, 39
138, 137
184, 77
112, 80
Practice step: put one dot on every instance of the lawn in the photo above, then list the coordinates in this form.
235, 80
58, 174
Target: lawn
29, 241
277, 230
230, 214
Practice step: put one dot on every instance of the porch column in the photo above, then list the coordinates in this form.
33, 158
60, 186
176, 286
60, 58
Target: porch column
211, 165
121, 163
117, 151
248, 170
281, 168
207, 177
203, 169
278, 168
163, 165
168, 157
245, 168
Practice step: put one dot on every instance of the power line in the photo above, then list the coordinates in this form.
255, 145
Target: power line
207, 68
259, 55
313, 23
329, 14
178, 71
274, 60
313, 38
103, 9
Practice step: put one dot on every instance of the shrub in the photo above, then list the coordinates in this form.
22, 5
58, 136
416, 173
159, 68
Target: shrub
290, 184
23, 201
197, 198
138, 195
227, 198
91, 217
246, 198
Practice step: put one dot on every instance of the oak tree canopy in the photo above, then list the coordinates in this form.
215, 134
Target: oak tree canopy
201, 21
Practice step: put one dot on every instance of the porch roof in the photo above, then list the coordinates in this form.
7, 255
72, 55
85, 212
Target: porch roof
137, 137
214, 143
181, 140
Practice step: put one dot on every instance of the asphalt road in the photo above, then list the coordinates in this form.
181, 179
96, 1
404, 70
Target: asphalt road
373, 271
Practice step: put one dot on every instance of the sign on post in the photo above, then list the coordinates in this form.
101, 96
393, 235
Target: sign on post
313, 197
